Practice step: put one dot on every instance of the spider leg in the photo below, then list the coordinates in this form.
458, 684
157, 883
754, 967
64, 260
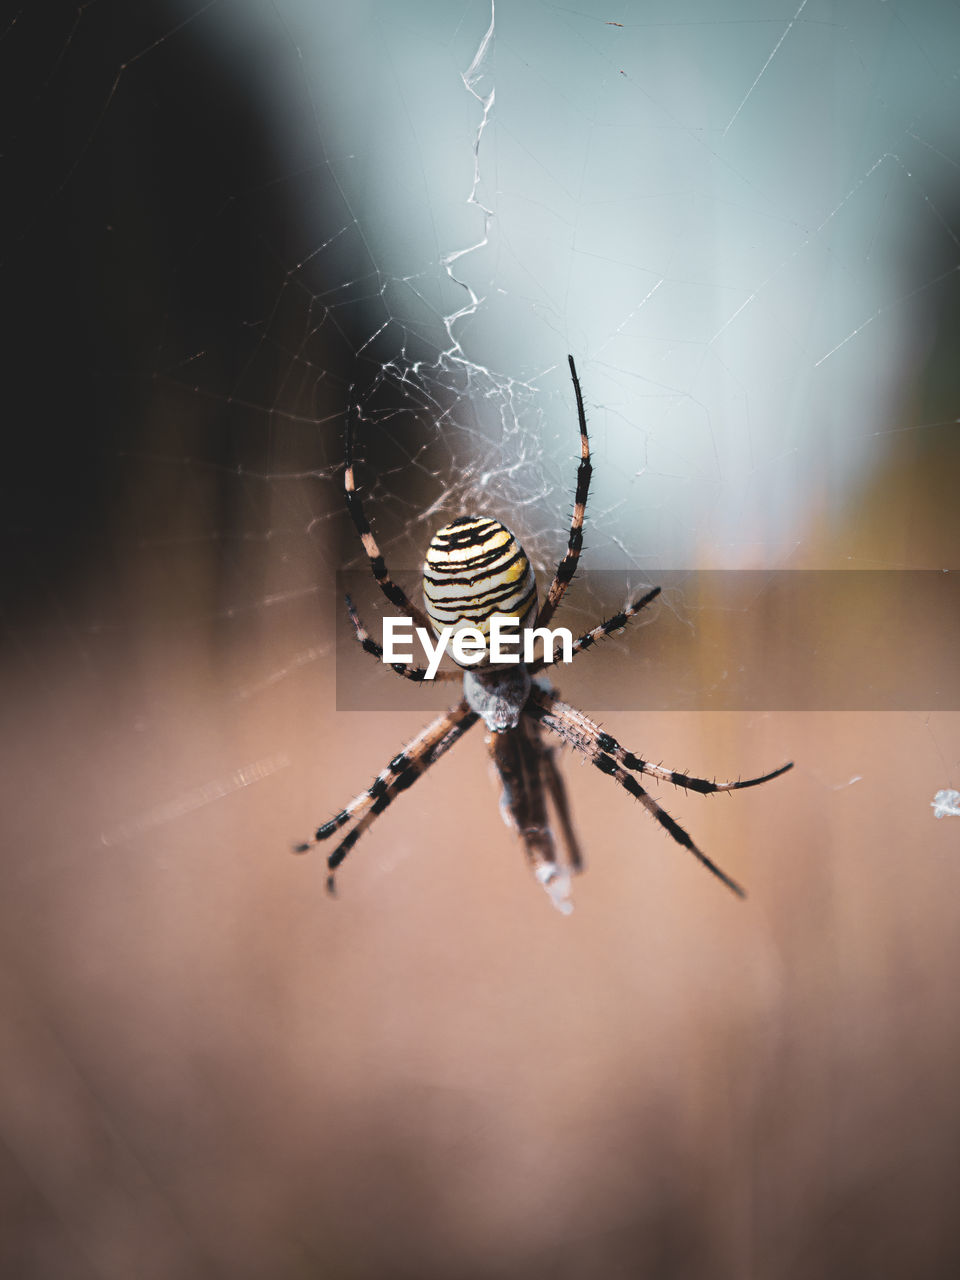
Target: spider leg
394, 593
557, 790
590, 638
572, 733
402, 771
558, 794
367, 642
568, 565
517, 755
592, 738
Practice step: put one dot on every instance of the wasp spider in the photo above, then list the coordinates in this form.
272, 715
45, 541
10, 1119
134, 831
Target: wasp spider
476, 568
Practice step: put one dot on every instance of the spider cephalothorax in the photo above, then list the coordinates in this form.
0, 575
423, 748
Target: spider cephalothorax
475, 570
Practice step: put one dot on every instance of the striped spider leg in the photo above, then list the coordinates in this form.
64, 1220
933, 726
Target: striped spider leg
369, 645
616, 623
528, 773
557, 790
402, 772
606, 753
568, 565
431, 743
394, 593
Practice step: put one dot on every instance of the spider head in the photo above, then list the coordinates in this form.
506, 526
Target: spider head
476, 569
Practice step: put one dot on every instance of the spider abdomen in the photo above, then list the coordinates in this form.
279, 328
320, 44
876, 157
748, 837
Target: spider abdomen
475, 569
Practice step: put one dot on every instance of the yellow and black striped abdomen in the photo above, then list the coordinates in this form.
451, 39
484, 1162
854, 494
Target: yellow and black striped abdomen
476, 568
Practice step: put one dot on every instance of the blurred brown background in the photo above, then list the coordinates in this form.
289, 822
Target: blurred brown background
211, 1069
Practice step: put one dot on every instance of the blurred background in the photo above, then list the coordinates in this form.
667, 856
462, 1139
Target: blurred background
229, 229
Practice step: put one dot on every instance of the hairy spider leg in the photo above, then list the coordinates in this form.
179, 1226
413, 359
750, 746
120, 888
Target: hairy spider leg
517, 755
417, 674
402, 771
568, 565
556, 787
406, 777
394, 593
590, 638
592, 738
606, 764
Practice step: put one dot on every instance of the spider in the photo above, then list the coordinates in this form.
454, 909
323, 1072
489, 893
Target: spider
475, 568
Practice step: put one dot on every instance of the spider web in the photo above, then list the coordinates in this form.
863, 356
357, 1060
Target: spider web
232, 228
428, 206
269, 220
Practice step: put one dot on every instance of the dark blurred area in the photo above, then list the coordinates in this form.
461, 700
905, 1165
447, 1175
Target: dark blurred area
112, 176
147, 231
209, 1068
